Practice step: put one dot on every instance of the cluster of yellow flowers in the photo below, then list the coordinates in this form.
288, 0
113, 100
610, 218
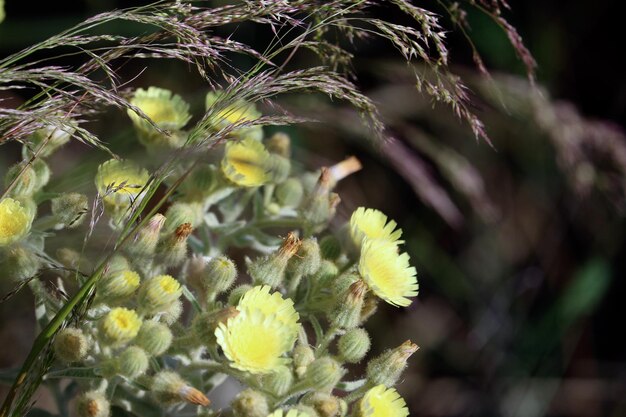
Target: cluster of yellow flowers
288, 326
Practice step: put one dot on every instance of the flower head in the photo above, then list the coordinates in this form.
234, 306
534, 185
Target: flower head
120, 182
264, 330
159, 293
246, 163
15, 221
290, 413
120, 325
382, 402
237, 113
388, 273
168, 111
372, 224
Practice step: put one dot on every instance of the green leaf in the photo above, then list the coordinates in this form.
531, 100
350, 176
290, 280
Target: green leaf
350, 386
81, 373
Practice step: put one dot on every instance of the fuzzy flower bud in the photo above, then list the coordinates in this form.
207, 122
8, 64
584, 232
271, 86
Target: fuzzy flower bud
347, 313
204, 324
238, 292
159, 293
93, 404
70, 345
317, 208
303, 355
278, 382
169, 388
280, 144
279, 168
323, 374
42, 171
290, 193
70, 209
250, 403
200, 183
19, 263
219, 274
324, 404
172, 313
325, 274
179, 213
147, 237
154, 337
330, 248
387, 368
132, 362
172, 250
354, 345
15, 221
270, 269
120, 325
307, 259
23, 178
117, 285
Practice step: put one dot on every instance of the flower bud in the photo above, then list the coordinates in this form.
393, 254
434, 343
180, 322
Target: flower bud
307, 259
147, 237
154, 337
93, 404
169, 388
325, 274
42, 172
173, 249
270, 270
278, 382
19, 263
250, 403
303, 355
219, 274
289, 193
119, 326
323, 374
45, 141
69, 210
204, 324
159, 293
70, 345
387, 368
354, 345
316, 209
324, 404
200, 183
132, 362
236, 294
370, 306
279, 168
117, 285
24, 179
180, 213
280, 144
173, 313
15, 220
330, 248
347, 313
343, 283
72, 260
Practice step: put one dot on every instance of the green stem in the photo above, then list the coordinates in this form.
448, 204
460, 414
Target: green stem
358, 393
326, 341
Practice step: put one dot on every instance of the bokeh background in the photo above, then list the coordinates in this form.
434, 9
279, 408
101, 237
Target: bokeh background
519, 244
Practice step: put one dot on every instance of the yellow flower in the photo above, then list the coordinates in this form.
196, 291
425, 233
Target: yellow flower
372, 224
260, 298
388, 273
254, 342
246, 163
15, 221
120, 325
290, 413
118, 284
120, 182
239, 112
382, 402
168, 111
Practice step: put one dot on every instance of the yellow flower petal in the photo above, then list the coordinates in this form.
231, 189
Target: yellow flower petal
373, 224
260, 298
168, 111
388, 273
382, 402
121, 325
120, 182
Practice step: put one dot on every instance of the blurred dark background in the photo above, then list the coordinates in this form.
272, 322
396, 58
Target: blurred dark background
519, 246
